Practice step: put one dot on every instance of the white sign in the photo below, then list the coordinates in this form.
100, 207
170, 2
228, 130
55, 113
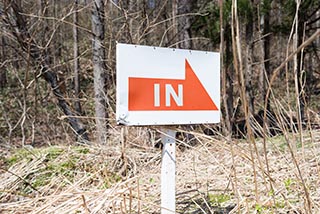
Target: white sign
165, 86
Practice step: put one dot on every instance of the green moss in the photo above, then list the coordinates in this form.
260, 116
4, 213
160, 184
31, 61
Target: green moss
52, 152
42, 179
59, 162
288, 184
21, 154
64, 168
24, 154
110, 179
263, 208
81, 150
280, 204
11, 160
218, 199
260, 208
151, 180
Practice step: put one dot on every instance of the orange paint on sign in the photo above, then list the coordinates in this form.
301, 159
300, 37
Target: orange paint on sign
152, 94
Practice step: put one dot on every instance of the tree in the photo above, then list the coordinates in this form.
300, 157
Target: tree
76, 62
185, 7
99, 69
174, 22
227, 74
15, 22
3, 73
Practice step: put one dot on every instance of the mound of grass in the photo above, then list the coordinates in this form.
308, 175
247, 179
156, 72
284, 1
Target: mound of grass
39, 169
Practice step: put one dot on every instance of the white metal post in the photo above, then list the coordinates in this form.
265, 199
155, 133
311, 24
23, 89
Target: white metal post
168, 172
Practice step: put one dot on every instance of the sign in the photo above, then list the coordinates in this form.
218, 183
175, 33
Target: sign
164, 86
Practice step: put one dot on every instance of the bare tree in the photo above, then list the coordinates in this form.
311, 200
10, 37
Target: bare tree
15, 22
174, 22
76, 62
57, 43
248, 59
99, 69
227, 86
184, 8
3, 72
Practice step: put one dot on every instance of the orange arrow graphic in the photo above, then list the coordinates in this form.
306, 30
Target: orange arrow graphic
152, 94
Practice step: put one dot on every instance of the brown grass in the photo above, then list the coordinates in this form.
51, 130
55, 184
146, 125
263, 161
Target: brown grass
212, 177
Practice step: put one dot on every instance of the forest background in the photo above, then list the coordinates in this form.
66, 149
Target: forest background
57, 106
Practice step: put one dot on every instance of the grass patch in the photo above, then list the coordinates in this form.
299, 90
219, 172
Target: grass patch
63, 164
24, 154
81, 149
110, 179
50, 153
218, 199
21, 154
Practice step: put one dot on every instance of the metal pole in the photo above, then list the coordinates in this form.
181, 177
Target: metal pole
168, 172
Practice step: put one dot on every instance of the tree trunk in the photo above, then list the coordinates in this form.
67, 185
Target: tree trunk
99, 70
174, 23
43, 12
184, 23
229, 71
3, 71
227, 87
266, 58
18, 26
248, 66
76, 61
57, 45
300, 67
248, 60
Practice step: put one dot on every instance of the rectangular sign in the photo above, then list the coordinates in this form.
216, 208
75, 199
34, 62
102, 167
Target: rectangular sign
165, 86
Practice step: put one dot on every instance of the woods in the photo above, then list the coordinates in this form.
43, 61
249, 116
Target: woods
254, 37
58, 75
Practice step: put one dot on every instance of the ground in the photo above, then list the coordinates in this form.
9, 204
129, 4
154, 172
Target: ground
216, 175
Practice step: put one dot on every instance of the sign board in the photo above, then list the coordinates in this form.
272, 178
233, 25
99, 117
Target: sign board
165, 86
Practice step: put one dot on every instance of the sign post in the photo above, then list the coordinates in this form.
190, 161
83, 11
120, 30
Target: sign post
168, 172
165, 86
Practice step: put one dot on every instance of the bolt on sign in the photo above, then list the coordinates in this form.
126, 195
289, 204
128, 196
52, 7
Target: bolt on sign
165, 86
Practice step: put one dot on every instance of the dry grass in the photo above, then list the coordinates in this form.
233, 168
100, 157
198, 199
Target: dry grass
212, 177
